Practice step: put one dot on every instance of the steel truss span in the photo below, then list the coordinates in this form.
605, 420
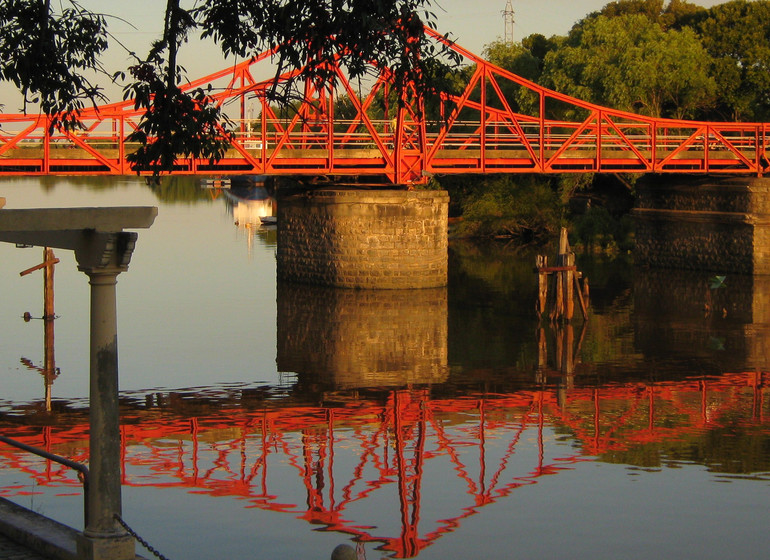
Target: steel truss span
500, 123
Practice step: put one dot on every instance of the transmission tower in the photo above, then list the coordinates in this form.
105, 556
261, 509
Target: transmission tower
508, 18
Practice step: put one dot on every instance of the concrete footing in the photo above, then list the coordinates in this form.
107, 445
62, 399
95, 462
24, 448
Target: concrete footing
36, 532
40, 534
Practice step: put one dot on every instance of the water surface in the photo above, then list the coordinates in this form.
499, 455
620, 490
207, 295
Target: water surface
277, 421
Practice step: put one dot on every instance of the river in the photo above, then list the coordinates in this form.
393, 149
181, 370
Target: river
267, 421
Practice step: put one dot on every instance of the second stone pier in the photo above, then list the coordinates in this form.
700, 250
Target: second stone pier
711, 223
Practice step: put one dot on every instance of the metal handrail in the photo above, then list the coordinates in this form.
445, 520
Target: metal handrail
80, 468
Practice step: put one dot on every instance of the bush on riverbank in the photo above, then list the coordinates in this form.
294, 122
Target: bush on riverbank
525, 208
532, 209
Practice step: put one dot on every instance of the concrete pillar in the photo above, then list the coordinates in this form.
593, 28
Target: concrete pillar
103, 537
709, 223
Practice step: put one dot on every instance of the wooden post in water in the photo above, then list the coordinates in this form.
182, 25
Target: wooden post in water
566, 279
565, 306
49, 260
542, 356
49, 364
542, 284
49, 316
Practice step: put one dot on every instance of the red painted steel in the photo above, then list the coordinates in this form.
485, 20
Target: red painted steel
481, 132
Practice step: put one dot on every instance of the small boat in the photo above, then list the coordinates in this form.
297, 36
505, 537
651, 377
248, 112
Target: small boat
217, 183
268, 220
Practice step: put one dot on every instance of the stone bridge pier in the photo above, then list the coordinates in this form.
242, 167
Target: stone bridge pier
370, 239
709, 223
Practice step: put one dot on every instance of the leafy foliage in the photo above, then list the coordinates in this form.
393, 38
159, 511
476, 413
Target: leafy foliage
48, 54
175, 122
522, 207
365, 36
518, 59
632, 63
736, 35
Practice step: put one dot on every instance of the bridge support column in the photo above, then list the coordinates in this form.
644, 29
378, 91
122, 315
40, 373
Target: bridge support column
378, 239
718, 224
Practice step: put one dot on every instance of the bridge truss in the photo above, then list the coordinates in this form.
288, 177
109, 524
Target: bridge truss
480, 130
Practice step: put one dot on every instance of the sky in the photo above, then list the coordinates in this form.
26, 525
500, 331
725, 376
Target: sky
472, 23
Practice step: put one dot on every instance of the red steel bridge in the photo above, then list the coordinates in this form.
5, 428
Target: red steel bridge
481, 130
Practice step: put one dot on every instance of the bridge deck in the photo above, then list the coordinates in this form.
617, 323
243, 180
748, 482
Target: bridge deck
107, 156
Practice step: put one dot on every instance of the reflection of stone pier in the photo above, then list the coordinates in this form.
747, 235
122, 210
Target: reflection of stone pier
677, 309
362, 338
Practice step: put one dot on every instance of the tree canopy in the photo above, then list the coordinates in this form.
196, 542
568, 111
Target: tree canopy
661, 58
737, 35
632, 63
48, 55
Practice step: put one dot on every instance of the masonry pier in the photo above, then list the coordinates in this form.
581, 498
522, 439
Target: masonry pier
374, 239
709, 223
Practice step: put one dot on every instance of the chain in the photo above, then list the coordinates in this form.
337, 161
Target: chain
139, 539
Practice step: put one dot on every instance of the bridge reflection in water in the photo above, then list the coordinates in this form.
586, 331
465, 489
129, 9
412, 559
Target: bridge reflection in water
378, 438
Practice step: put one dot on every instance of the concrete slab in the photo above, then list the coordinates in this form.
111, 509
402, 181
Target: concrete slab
11, 550
31, 536
36, 532
109, 219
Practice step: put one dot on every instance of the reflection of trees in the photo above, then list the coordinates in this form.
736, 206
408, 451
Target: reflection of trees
495, 291
179, 188
173, 188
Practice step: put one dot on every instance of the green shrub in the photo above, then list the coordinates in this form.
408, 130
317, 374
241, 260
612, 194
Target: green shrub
523, 207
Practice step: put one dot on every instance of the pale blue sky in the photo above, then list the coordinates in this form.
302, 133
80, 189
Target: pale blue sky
473, 23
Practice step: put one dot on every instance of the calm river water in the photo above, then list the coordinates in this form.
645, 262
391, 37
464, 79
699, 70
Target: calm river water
276, 421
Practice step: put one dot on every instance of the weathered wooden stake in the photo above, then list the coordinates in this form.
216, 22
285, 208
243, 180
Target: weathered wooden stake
542, 284
50, 260
566, 279
581, 299
563, 308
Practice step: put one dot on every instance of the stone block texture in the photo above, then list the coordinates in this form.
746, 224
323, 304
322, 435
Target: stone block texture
371, 239
336, 338
709, 223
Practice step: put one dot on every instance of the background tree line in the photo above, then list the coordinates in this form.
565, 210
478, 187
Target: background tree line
663, 59
654, 57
